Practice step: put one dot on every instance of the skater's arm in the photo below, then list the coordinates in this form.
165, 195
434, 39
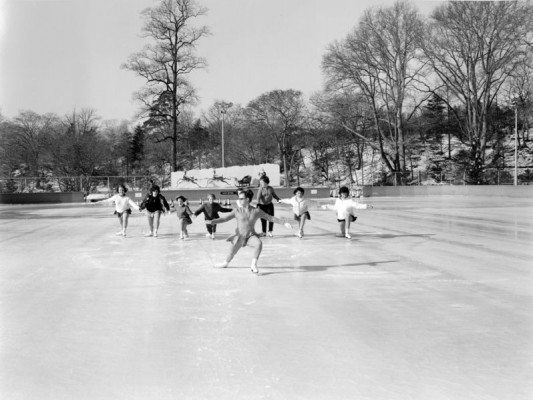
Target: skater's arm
143, 203
107, 201
220, 220
165, 204
271, 218
133, 204
200, 210
219, 208
361, 206
273, 193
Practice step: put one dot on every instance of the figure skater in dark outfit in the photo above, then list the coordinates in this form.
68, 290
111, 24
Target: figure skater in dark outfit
265, 194
246, 216
155, 204
211, 210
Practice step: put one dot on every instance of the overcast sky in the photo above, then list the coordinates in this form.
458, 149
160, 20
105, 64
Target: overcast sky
57, 55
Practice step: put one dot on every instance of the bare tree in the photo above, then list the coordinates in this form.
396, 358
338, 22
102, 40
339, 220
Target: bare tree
166, 62
380, 59
474, 47
279, 113
28, 139
350, 119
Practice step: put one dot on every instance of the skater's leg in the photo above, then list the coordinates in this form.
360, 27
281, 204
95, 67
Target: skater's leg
342, 226
270, 211
181, 227
125, 218
303, 218
257, 246
347, 231
233, 250
150, 223
157, 219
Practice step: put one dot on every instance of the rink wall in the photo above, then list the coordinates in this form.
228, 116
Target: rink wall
32, 198
312, 193
445, 190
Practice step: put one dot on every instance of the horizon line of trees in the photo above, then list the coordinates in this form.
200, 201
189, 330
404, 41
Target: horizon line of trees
398, 87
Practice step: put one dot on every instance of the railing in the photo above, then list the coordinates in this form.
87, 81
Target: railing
490, 176
106, 185
86, 184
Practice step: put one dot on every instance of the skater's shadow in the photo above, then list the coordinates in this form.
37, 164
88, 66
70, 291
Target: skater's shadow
319, 268
358, 235
392, 236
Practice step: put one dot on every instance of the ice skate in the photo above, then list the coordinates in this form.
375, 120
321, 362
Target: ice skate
221, 265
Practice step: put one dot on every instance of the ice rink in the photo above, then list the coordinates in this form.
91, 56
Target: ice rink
431, 299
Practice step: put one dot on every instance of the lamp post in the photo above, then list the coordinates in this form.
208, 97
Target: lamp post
516, 144
223, 108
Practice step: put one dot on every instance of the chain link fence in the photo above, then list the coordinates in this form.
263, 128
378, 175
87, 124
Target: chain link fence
101, 186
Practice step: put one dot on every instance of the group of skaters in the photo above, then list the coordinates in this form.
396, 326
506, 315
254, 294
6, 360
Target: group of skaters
244, 213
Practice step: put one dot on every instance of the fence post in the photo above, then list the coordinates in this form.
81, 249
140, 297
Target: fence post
108, 186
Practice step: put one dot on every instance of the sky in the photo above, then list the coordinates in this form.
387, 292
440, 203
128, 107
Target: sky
61, 55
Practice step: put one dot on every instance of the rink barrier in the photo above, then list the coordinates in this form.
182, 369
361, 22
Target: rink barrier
445, 190
224, 195
33, 198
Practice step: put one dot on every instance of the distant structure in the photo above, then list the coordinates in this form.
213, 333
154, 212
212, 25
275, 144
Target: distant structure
236, 176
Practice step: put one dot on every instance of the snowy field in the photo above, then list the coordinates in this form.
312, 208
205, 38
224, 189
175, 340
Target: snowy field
431, 299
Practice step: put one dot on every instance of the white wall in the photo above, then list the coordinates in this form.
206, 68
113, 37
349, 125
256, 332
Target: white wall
204, 178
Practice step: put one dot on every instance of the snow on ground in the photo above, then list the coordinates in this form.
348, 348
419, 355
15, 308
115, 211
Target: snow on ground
430, 299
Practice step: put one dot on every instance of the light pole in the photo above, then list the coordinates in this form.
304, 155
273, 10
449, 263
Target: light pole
223, 108
516, 144
223, 112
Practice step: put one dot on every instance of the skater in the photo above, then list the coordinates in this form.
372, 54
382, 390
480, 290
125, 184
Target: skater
246, 216
265, 194
211, 210
123, 206
345, 210
300, 208
184, 215
155, 204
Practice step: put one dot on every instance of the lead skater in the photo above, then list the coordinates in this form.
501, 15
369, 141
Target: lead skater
345, 207
246, 216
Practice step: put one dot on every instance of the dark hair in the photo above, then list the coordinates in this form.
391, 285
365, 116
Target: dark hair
123, 187
344, 190
182, 198
265, 179
212, 195
155, 188
299, 189
247, 193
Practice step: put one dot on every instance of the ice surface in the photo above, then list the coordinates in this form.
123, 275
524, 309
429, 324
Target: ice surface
430, 299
